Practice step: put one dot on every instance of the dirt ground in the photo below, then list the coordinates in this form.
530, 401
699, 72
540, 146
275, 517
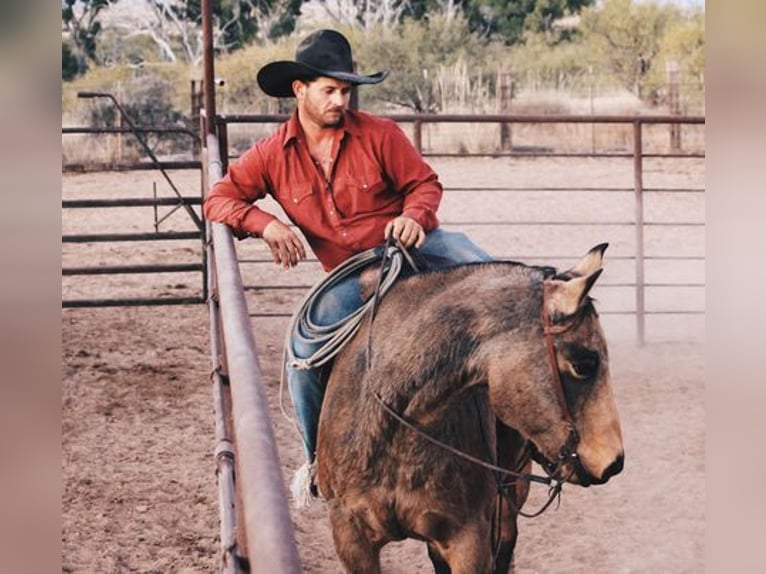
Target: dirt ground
137, 433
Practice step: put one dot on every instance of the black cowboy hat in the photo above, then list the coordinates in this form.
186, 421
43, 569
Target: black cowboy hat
323, 53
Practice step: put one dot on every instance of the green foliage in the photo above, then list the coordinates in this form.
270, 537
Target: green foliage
684, 42
558, 66
147, 101
71, 65
438, 63
627, 37
241, 19
509, 19
80, 19
416, 52
241, 93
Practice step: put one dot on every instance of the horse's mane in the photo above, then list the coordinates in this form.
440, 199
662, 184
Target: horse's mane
545, 271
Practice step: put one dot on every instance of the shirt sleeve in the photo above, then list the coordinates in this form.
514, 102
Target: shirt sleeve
230, 201
413, 177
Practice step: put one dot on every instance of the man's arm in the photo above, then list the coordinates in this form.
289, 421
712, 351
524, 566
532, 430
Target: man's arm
231, 202
231, 199
413, 177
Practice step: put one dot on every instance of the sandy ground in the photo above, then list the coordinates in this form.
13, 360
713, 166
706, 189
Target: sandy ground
138, 470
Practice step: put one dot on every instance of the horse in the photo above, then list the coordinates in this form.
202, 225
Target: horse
488, 362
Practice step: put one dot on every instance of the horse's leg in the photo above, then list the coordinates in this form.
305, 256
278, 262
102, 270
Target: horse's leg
440, 566
356, 551
508, 536
511, 451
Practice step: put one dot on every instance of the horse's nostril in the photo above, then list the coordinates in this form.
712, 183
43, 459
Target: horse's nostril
614, 468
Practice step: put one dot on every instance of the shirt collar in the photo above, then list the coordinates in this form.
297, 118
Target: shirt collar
293, 128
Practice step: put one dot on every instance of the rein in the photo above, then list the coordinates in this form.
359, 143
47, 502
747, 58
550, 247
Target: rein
404, 422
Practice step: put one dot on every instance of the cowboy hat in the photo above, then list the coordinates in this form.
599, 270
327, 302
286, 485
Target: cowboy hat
323, 53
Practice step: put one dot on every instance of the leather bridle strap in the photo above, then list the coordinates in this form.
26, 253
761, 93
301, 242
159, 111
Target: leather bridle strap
550, 329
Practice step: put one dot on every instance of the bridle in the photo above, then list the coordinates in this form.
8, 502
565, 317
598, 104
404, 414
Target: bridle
569, 450
553, 469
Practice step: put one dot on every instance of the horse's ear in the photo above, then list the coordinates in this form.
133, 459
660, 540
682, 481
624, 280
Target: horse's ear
588, 264
565, 297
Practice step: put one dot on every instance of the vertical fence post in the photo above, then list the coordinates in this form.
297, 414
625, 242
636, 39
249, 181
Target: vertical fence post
222, 128
195, 102
208, 83
505, 93
592, 110
417, 135
674, 104
638, 179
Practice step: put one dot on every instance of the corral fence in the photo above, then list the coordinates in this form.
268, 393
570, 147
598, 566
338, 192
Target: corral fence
178, 201
513, 142
665, 144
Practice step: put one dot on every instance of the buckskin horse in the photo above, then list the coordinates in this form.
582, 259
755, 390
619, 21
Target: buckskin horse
490, 361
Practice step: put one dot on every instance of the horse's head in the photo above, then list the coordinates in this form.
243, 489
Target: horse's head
557, 391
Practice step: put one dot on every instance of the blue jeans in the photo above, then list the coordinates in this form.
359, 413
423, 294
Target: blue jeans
442, 248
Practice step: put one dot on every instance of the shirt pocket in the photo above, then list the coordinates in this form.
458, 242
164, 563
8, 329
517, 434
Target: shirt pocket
294, 196
298, 202
363, 193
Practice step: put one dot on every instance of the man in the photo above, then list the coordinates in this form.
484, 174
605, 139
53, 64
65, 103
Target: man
347, 179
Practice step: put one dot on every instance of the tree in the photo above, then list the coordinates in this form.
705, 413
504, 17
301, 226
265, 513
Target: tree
71, 66
628, 37
685, 43
510, 18
175, 26
425, 57
365, 14
80, 22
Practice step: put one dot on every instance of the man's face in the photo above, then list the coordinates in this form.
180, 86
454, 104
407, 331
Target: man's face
323, 101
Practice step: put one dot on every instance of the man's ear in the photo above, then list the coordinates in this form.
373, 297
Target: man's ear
299, 88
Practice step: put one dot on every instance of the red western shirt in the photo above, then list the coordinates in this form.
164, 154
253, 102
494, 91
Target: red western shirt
376, 175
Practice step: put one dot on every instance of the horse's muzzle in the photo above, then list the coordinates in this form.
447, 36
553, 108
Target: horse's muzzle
584, 478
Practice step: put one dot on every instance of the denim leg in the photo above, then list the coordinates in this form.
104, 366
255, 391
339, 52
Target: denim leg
307, 387
453, 247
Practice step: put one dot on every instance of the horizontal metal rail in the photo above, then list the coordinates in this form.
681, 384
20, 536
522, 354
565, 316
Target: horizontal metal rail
107, 237
127, 269
487, 119
133, 302
574, 189
127, 130
135, 166
129, 202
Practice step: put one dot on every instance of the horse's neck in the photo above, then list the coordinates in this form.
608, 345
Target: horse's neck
449, 353
429, 401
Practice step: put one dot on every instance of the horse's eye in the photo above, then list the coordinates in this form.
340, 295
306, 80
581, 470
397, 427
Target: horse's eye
581, 363
585, 368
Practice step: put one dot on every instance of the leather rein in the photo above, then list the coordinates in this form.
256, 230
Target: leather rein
569, 449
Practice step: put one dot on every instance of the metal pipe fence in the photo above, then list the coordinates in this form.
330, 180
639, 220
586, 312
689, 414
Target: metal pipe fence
178, 202
639, 190
269, 540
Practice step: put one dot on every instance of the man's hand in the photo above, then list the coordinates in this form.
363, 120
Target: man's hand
406, 230
286, 247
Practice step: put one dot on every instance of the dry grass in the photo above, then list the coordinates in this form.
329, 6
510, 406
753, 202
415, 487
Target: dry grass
564, 138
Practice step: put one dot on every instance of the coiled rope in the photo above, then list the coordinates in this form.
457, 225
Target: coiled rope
332, 338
